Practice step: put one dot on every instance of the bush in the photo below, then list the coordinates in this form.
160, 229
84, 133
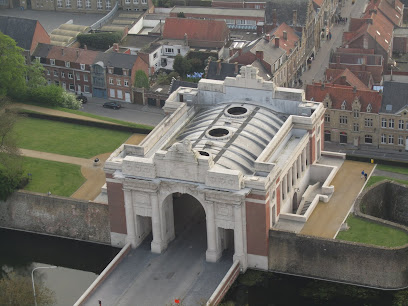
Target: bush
8, 183
103, 40
69, 101
53, 95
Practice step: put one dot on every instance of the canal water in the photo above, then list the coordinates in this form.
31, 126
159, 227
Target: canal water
79, 263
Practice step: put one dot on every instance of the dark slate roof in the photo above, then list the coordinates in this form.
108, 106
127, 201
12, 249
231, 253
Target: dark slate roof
118, 60
395, 96
20, 29
284, 11
227, 70
42, 50
176, 84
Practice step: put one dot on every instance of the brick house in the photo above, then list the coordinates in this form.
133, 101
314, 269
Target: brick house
27, 33
359, 79
392, 9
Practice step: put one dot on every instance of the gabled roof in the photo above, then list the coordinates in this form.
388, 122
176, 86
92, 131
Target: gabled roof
117, 60
395, 94
318, 2
270, 53
42, 50
393, 13
344, 77
284, 11
340, 93
20, 29
75, 55
226, 70
292, 38
196, 29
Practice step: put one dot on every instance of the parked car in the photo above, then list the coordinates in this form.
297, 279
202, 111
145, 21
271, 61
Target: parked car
82, 98
114, 105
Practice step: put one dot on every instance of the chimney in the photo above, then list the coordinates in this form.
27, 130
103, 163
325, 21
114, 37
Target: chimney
285, 35
259, 55
276, 42
268, 37
274, 17
369, 21
185, 39
294, 17
354, 89
116, 47
62, 51
218, 67
85, 47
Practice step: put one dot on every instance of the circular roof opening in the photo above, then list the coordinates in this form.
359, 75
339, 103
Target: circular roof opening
204, 153
237, 110
218, 132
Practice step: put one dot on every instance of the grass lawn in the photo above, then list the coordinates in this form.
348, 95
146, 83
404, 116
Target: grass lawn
66, 138
59, 178
401, 170
374, 179
364, 231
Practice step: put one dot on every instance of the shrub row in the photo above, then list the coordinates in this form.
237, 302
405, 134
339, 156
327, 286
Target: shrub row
102, 40
382, 161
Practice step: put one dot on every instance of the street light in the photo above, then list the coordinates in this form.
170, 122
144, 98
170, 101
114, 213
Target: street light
32, 278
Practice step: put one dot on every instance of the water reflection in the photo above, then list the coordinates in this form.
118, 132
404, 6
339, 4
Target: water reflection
79, 263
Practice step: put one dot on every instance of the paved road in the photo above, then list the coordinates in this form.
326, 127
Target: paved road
142, 114
51, 20
327, 218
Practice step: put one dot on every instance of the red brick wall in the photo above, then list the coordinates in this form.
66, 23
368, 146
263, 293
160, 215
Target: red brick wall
40, 36
257, 228
278, 199
400, 44
117, 213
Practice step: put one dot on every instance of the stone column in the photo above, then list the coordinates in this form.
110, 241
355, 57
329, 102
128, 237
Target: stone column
284, 187
157, 245
304, 159
289, 179
239, 253
212, 254
130, 219
299, 165
294, 173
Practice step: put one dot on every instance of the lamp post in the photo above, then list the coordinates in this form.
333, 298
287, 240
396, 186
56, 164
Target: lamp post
32, 278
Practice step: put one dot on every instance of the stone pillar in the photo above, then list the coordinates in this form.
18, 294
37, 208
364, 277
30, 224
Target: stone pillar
299, 165
157, 244
212, 254
239, 253
130, 219
285, 188
304, 159
289, 179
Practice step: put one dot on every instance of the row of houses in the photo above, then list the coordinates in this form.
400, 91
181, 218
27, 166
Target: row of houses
364, 91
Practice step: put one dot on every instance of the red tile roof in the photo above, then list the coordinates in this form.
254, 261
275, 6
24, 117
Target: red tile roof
393, 13
291, 40
74, 55
340, 93
344, 77
196, 29
318, 2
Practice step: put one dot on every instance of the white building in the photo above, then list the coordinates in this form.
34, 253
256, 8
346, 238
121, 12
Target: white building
245, 149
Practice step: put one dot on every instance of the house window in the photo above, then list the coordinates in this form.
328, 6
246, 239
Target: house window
120, 95
85, 77
343, 119
48, 72
127, 1
343, 137
68, 3
64, 85
57, 83
126, 83
383, 138
71, 87
55, 73
110, 80
69, 75
400, 140
49, 82
112, 93
110, 70
391, 123
168, 50
355, 127
108, 4
62, 74
368, 122
67, 64
135, 1
79, 3
257, 6
59, 3
390, 139
369, 108
88, 4
86, 88
118, 82
343, 105
326, 117
356, 113
52, 62
368, 139
144, 1
99, 4
178, 51
383, 123
327, 135
124, 71
82, 66
401, 124
78, 76
155, 55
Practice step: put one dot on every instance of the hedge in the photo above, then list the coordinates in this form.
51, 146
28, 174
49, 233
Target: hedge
101, 40
382, 161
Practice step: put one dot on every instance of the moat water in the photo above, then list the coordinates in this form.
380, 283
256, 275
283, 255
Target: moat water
79, 264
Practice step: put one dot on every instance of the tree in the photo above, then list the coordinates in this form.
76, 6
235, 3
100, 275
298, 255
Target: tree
181, 65
35, 75
13, 68
141, 79
11, 165
17, 290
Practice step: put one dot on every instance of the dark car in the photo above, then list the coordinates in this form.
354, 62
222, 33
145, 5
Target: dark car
82, 98
114, 105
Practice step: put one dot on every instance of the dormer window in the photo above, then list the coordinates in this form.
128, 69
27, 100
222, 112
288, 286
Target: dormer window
343, 105
82, 66
52, 62
369, 108
110, 70
125, 72
67, 64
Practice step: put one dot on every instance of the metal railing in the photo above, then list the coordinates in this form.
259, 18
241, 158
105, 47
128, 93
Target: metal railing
105, 19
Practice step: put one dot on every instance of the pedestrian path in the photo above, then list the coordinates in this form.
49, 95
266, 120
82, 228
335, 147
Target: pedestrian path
389, 174
327, 218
